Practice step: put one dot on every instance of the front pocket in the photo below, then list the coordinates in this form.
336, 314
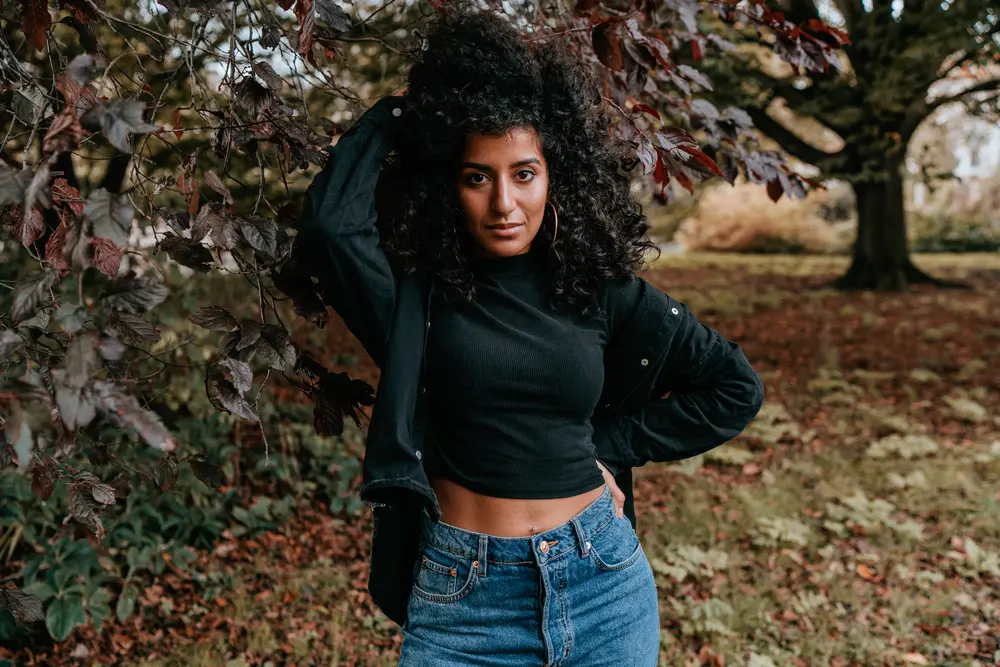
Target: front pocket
615, 546
442, 576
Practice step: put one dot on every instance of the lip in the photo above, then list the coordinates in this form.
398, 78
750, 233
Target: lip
505, 230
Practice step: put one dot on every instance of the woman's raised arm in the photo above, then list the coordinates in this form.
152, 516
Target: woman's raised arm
337, 229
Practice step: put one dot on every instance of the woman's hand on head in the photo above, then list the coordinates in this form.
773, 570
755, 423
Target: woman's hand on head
617, 497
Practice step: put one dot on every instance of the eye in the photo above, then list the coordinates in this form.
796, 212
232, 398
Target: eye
475, 179
525, 174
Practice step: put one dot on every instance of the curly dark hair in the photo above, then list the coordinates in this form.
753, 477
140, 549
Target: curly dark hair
477, 75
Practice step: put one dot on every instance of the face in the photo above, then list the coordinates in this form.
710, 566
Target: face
503, 185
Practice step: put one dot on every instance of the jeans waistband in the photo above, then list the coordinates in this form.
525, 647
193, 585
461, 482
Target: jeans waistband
574, 534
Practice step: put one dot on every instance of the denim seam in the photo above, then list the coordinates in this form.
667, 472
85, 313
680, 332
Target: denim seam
564, 614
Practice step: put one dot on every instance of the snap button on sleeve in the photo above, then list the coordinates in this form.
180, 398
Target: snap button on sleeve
644, 362
397, 112
674, 311
420, 455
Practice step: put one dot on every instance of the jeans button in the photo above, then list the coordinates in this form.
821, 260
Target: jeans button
543, 547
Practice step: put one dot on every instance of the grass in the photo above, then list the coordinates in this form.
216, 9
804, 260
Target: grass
856, 522
800, 543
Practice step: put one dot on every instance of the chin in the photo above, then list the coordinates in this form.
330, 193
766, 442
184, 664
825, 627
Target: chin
504, 248
505, 245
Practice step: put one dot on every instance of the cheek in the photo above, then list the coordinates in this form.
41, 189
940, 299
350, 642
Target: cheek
470, 204
536, 200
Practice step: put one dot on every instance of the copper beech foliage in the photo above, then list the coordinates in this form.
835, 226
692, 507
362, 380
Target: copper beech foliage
64, 353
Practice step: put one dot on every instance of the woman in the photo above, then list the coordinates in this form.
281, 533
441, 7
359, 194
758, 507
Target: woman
496, 289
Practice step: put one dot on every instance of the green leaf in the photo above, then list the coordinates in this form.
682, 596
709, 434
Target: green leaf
126, 602
64, 615
40, 590
110, 214
211, 475
98, 606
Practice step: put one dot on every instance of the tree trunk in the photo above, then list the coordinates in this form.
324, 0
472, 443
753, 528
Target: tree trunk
881, 259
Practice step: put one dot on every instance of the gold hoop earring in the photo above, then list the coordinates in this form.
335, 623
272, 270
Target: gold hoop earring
555, 222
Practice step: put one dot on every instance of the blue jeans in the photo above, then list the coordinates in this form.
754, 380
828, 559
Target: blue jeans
579, 595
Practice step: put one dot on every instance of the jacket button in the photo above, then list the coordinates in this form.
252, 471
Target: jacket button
644, 362
420, 455
674, 311
397, 112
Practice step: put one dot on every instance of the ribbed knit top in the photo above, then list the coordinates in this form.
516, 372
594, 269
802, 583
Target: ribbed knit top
512, 385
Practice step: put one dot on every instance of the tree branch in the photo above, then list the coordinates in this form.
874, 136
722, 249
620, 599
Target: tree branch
923, 109
982, 86
788, 141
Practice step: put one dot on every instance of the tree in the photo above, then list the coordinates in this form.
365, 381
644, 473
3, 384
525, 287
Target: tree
903, 61
209, 117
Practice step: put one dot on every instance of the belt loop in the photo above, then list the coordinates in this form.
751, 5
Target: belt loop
581, 537
483, 540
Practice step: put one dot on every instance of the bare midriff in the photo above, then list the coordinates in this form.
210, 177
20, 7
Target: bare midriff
506, 517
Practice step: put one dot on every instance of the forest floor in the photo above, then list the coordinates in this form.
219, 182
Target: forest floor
855, 522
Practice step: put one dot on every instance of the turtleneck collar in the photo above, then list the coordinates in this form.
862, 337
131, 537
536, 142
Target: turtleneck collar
512, 265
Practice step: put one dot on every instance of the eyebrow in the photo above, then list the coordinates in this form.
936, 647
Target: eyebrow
486, 167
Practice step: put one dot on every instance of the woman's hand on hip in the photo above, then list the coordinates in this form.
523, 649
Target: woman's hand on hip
617, 497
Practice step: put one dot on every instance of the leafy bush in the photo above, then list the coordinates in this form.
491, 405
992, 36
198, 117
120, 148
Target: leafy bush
743, 218
944, 232
101, 204
77, 580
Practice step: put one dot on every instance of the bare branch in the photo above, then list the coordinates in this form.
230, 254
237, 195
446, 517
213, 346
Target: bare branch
788, 141
921, 110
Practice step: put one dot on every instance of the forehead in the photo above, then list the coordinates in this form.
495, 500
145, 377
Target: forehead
514, 145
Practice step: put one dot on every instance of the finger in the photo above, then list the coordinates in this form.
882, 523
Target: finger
619, 501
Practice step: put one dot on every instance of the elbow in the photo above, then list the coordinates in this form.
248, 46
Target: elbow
746, 395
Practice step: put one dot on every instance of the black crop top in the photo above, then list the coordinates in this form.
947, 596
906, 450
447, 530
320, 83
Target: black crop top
512, 385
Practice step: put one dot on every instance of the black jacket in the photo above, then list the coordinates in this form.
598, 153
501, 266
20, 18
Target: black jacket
713, 391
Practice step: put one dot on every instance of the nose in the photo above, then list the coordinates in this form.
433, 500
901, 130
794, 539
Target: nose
503, 198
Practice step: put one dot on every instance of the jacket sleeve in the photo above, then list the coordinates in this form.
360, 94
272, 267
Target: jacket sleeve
704, 394
337, 231
711, 394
